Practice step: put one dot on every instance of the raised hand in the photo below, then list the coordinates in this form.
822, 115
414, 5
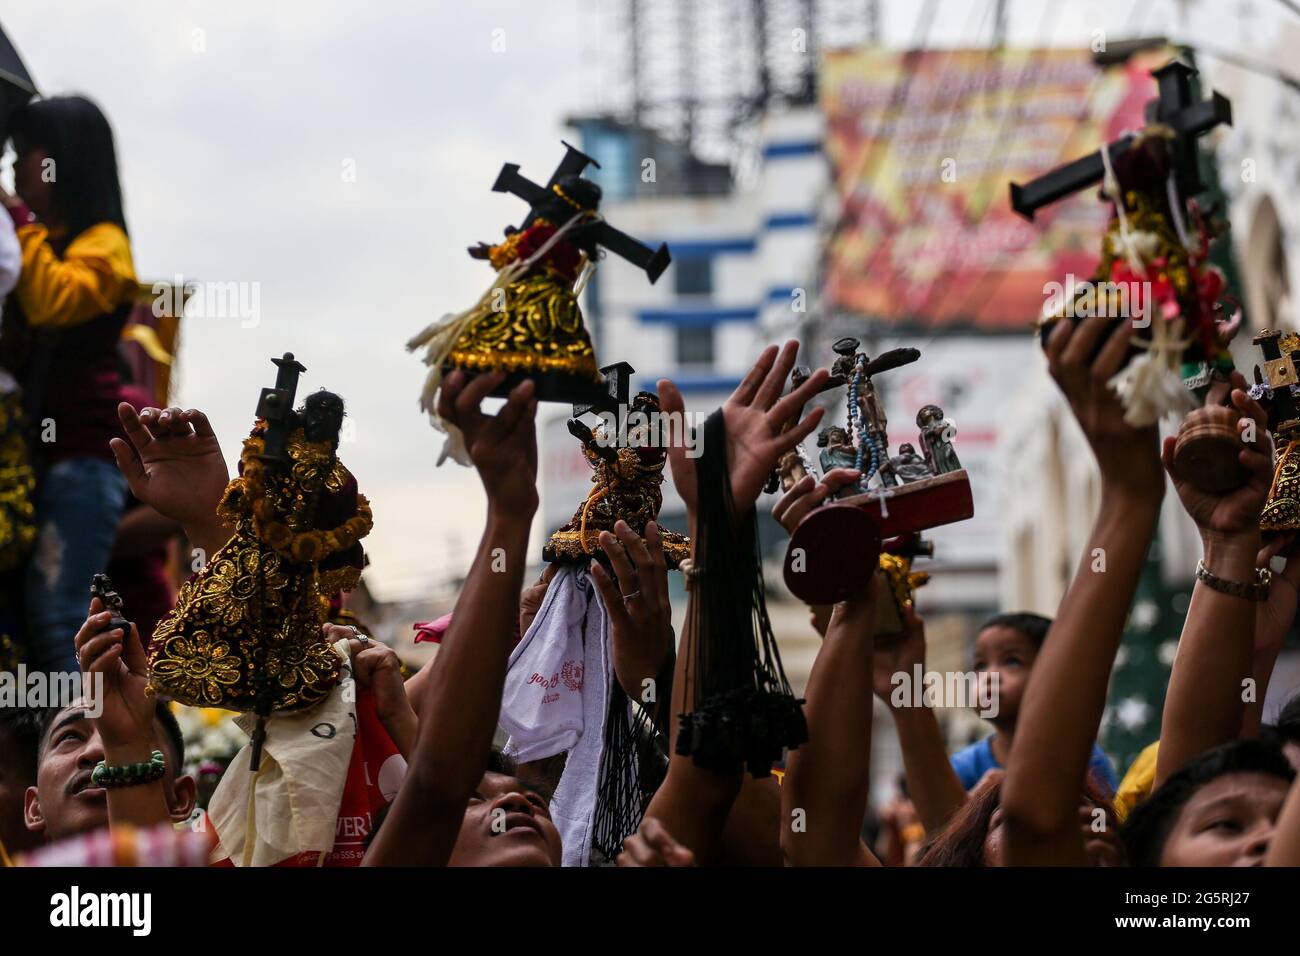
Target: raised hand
898, 657
503, 447
755, 415
807, 493
530, 599
1275, 616
1126, 456
377, 667
127, 716
1237, 511
174, 464
653, 845
640, 614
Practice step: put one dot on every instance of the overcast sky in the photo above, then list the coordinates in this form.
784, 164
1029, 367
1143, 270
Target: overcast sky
234, 122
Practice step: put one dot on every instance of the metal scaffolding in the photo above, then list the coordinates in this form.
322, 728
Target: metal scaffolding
701, 72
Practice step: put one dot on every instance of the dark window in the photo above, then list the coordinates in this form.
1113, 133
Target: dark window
695, 345
693, 276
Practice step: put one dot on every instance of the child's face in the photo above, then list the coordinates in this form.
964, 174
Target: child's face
1227, 822
1101, 844
1010, 655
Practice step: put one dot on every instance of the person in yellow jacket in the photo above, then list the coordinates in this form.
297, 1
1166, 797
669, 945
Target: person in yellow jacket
73, 296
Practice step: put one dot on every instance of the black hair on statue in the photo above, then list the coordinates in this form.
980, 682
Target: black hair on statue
1149, 823
322, 417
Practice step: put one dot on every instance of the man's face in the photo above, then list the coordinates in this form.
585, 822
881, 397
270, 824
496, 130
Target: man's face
16, 776
1227, 822
64, 801
506, 824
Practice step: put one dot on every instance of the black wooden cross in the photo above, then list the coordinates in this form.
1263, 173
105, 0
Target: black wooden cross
1173, 108
510, 180
275, 407
618, 392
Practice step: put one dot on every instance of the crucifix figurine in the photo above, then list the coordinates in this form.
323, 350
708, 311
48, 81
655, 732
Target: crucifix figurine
528, 324
102, 587
627, 456
836, 549
1173, 108
589, 235
866, 413
1155, 272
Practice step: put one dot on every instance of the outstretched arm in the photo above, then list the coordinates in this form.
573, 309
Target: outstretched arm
935, 788
694, 803
1284, 849
173, 463
459, 706
824, 793
126, 721
1273, 620
1063, 704
1205, 703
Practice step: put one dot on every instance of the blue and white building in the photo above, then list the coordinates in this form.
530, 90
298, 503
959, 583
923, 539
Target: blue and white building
744, 259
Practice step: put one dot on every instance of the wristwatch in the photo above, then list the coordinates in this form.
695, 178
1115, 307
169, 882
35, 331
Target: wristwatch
1255, 591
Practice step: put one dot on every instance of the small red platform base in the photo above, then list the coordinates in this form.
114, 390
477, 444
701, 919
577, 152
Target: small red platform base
835, 549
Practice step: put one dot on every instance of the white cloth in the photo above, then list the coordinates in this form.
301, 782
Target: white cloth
11, 257
299, 785
557, 699
573, 808
542, 701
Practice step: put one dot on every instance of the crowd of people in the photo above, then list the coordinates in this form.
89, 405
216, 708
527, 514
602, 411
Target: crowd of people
1217, 789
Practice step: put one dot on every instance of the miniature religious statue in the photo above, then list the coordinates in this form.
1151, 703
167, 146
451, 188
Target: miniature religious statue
936, 438
908, 465
855, 370
839, 451
625, 485
529, 324
102, 587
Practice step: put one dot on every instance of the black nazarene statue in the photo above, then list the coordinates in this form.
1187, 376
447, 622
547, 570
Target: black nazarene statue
528, 323
246, 631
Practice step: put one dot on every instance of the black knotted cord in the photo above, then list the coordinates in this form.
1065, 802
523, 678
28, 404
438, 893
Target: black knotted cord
744, 713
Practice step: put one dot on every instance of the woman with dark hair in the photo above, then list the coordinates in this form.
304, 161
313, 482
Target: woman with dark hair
74, 293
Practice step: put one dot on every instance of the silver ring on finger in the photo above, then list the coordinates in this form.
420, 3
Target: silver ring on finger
631, 595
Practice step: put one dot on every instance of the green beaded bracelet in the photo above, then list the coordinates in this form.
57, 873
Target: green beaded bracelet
128, 775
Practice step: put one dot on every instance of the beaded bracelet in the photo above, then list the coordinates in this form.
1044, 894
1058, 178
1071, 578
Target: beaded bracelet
1257, 590
128, 775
